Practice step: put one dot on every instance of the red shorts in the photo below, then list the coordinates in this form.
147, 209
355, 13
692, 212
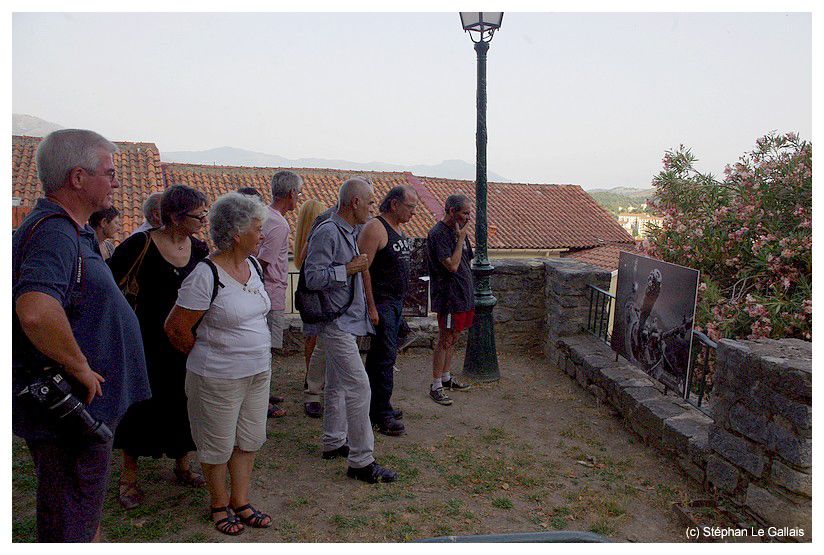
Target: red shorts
456, 321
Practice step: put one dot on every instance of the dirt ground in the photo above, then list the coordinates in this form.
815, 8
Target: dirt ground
532, 452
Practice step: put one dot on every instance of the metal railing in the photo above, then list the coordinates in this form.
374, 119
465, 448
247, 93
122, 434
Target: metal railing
291, 286
702, 363
599, 321
701, 368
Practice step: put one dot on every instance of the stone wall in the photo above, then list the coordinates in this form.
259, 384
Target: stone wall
755, 451
761, 442
567, 298
519, 315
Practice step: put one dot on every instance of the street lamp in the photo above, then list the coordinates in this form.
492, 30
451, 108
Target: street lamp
481, 360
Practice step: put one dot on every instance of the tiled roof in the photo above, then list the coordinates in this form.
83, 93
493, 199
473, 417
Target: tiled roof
18, 213
605, 256
137, 166
534, 216
320, 184
521, 216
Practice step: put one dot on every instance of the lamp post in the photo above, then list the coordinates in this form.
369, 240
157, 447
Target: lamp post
481, 360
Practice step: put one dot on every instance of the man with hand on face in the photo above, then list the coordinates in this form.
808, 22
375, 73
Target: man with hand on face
449, 256
387, 282
335, 265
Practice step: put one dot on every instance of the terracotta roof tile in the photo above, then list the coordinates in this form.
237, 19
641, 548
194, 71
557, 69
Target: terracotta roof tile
521, 216
535, 216
320, 184
137, 166
605, 256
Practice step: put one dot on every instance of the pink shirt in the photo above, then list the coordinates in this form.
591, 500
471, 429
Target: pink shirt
274, 250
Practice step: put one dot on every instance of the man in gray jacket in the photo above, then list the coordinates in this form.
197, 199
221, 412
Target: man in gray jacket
334, 265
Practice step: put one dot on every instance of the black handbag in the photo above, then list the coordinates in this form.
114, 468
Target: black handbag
315, 306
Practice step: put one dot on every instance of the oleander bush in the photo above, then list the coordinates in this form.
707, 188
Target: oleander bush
750, 235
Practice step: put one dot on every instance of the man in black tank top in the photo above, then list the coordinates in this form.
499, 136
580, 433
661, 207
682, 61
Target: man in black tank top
386, 284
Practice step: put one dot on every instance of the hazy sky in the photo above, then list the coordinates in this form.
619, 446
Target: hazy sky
591, 99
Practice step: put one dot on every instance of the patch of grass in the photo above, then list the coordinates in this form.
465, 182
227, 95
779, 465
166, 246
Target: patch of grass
442, 531
570, 432
611, 508
406, 533
24, 529
453, 507
197, 537
288, 530
558, 523
342, 522
529, 481
298, 502
536, 496
406, 469
603, 527
384, 495
502, 503
666, 492
493, 436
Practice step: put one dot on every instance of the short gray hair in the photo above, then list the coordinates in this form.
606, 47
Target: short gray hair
65, 149
284, 182
351, 188
232, 214
151, 204
455, 202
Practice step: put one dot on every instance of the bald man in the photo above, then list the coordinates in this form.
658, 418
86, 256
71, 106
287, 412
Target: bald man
335, 266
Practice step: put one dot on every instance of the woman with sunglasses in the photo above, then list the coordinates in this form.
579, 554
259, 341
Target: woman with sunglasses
160, 260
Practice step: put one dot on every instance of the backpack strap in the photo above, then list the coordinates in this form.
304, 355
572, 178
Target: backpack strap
256, 264
216, 283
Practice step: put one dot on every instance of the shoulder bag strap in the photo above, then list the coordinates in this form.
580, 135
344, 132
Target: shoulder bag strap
137, 262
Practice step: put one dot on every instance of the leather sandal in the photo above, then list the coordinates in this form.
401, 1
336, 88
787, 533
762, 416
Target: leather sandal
188, 478
130, 496
228, 525
255, 519
275, 411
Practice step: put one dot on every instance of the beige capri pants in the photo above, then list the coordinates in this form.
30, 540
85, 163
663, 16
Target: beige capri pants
227, 413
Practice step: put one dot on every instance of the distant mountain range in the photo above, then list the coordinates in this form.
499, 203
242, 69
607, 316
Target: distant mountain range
230, 156
23, 124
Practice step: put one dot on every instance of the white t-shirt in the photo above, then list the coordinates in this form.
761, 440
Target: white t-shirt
233, 339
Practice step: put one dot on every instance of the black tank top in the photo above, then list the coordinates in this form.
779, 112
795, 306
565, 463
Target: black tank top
390, 268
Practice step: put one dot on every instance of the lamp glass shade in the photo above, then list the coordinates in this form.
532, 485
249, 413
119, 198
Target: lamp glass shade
481, 21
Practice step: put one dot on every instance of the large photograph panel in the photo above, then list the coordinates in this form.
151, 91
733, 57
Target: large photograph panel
654, 313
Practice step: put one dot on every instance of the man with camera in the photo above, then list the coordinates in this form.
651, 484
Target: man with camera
77, 355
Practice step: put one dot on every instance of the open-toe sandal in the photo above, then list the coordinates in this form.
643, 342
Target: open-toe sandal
255, 519
129, 495
230, 525
188, 478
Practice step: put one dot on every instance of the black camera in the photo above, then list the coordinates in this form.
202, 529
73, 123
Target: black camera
53, 393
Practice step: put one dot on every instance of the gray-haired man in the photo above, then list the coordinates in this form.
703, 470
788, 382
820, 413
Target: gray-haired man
334, 265
273, 255
70, 315
151, 213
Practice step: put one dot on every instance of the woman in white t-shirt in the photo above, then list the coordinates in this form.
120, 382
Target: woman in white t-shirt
229, 362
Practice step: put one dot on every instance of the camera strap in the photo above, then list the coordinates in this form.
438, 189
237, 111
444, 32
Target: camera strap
78, 274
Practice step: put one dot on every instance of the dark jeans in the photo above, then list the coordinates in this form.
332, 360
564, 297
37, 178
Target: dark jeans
71, 488
380, 360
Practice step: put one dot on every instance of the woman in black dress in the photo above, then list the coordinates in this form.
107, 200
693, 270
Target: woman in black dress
160, 259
